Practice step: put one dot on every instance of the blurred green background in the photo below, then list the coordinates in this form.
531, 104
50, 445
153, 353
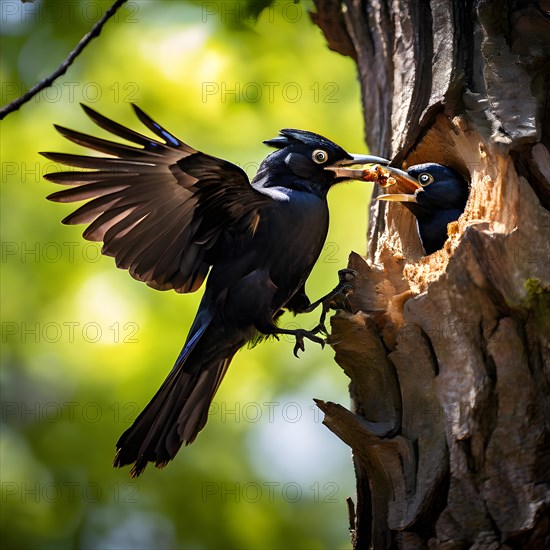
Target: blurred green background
84, 347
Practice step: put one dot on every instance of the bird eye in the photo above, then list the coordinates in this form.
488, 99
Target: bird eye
319, 156
425, 179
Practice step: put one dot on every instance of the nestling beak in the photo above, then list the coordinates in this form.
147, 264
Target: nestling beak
404, 182
340, 170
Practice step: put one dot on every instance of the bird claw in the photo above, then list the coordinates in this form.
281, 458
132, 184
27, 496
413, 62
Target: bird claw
300, 334
347, 275
343, 289
321, 327
299, 346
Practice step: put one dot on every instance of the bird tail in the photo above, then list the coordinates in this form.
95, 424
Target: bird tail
179, 409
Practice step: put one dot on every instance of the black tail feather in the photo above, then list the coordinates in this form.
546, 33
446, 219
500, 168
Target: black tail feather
174, 417
179, 409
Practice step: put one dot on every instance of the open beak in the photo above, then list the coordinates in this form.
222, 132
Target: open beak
404, 183
341, 168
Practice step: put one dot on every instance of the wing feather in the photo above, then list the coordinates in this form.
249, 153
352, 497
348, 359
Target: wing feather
81, 178
159, 206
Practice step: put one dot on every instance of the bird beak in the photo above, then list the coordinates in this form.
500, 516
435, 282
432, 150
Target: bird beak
341, 169
364, 159
397, 197
404, 183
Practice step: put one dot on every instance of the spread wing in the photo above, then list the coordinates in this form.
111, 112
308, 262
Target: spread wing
160, 207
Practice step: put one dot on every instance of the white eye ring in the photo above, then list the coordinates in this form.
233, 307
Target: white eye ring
425, 179
319, 156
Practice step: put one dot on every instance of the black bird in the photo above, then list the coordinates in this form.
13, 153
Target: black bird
169, 214
438, 197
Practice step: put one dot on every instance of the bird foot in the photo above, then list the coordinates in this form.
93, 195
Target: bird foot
300, 334
342, 289
320, 327
345, 277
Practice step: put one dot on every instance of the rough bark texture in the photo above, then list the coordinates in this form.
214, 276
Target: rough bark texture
449, 355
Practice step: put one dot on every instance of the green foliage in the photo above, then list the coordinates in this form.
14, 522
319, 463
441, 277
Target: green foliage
539, 301
84, 346
256, 7
536, 290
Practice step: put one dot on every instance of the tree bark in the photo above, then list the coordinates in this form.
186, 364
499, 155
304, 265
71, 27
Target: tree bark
449, 354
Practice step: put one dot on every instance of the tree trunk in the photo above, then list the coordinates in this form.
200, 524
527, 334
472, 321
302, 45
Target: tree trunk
449, 354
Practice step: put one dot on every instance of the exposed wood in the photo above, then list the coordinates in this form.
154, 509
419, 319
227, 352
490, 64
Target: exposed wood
329, 18
449, 355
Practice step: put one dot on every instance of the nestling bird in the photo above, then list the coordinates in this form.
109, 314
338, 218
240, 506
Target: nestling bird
438, 197
170, 215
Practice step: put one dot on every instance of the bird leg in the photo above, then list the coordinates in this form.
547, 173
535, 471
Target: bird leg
343, 288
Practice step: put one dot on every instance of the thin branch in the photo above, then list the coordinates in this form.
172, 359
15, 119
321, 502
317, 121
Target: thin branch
62, 69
